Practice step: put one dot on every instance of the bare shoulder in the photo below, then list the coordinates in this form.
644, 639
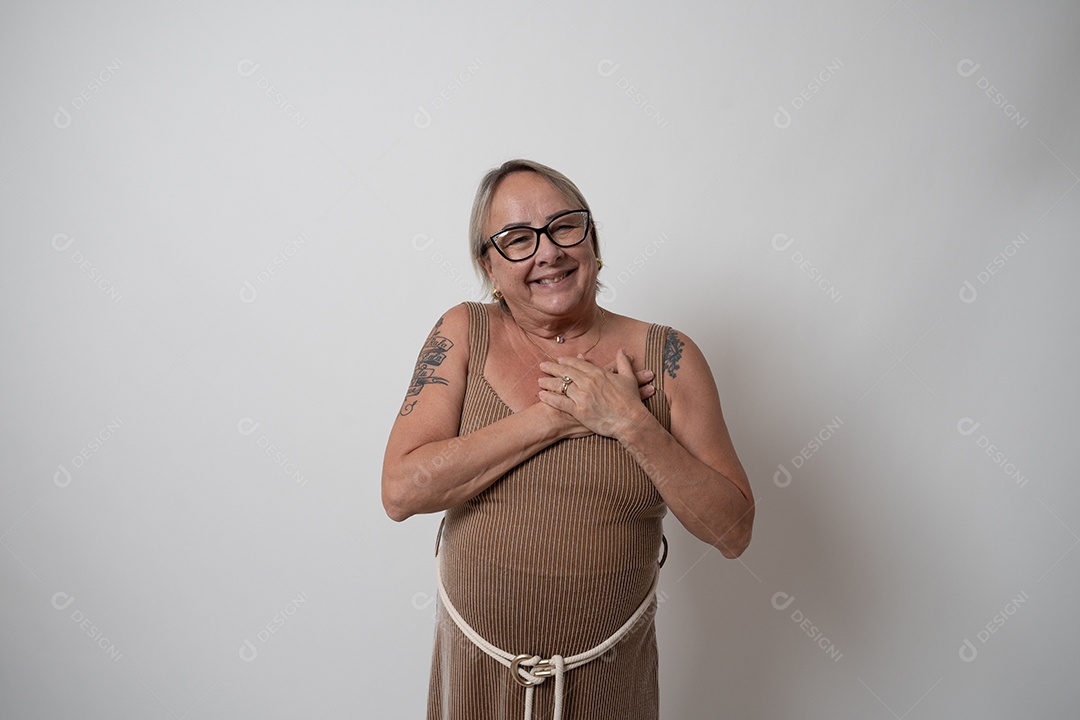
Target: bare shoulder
443, 357
687, 375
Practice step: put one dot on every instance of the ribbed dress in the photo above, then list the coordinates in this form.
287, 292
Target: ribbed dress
552, 558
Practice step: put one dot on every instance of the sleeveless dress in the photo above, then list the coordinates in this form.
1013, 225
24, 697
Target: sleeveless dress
553, 557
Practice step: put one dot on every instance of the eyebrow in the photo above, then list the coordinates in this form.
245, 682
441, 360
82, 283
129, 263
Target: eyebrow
548, 219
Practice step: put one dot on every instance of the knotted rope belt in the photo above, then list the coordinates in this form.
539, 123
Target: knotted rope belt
532, 670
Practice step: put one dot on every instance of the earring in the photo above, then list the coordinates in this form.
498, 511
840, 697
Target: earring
496, 294
599, 264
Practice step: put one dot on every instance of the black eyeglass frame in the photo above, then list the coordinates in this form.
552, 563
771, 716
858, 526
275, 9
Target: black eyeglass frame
537, 232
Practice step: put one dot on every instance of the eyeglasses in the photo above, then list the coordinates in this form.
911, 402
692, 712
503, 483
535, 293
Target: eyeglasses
521, 243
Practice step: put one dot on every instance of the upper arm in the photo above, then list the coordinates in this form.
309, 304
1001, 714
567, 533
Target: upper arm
431, 409
697, 420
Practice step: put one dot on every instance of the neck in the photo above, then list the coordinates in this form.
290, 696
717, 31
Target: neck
564, 336
548, 327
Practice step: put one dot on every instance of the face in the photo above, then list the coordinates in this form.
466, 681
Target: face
555, 280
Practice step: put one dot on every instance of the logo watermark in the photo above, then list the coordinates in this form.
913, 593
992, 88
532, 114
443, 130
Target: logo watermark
248, 651
968, 651
248, 292
606, 68
464, 280
62, 600
651, 249
247, 67
782, 601
967, 68
422, 118
62, 117
62, 476
782, 242
967, 427
61, 242
782, 476
246, 426
782, 118
968, 293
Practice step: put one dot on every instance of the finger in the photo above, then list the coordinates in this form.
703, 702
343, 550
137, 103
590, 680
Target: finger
573, 363
552, 384
622, 363
645, 376
556, 400
647, 391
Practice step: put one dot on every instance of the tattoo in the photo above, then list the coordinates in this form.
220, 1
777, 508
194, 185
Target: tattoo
431, 356
672, 352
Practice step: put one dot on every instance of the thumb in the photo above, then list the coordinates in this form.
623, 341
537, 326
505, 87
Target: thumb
622, 363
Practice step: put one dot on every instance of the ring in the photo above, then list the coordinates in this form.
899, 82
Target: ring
566, 382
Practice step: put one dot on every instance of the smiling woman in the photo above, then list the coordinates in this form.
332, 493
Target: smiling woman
555, 435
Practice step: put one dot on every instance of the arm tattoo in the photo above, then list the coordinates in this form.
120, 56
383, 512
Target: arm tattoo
431, 356
672, 352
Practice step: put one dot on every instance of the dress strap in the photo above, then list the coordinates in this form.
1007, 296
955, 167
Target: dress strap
655, 346
478, 338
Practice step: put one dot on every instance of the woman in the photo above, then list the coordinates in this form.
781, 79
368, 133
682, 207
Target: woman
554, 435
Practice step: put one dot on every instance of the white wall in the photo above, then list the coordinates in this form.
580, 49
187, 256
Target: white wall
230, 226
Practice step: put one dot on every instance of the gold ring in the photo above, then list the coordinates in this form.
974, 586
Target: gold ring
566, 382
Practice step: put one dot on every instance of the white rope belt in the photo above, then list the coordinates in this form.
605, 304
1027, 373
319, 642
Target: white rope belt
532, 670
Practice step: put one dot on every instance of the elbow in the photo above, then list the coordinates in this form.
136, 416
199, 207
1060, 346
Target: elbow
734, 542
732, 549
395, 499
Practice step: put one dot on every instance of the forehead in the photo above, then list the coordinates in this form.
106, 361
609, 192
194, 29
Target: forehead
525, 198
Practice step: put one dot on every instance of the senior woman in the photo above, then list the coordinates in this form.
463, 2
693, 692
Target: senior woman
555, 434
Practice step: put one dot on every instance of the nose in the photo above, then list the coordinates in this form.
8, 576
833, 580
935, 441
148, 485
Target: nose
548, 251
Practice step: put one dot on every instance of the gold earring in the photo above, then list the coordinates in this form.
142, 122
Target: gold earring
599, 264
496, 294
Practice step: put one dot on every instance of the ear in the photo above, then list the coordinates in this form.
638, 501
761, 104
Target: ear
485, 262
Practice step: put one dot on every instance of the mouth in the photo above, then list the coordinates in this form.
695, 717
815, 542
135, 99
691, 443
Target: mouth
553, 279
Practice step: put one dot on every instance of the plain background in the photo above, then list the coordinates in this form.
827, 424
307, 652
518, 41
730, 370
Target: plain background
228, 228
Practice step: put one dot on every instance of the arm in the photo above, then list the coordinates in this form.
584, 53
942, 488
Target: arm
427, 467
694, 467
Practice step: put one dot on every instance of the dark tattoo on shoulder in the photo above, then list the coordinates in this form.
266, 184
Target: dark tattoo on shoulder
672, 352
431, 357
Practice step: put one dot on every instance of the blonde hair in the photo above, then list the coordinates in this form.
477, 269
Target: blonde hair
482, 206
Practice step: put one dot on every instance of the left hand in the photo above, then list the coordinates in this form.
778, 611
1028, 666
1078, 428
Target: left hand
602, 400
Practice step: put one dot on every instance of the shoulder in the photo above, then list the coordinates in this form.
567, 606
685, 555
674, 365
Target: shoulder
686, 371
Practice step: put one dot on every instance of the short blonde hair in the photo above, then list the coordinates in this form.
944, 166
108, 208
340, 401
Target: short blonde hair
482, 206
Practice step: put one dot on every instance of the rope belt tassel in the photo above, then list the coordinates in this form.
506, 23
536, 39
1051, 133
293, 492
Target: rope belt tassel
532, 670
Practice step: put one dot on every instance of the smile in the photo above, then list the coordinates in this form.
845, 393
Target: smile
553, 280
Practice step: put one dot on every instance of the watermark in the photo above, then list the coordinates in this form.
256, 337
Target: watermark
247, 68
782, 242
62, 600
422, 118
968, 293
782, 118
422, 476
967, 68
62, 117
464, 280
967, 427
62, 476
61, 242
782, 476
606, 68
968, 651
248, 292
651, 249
248, 651
782, 601
246, 426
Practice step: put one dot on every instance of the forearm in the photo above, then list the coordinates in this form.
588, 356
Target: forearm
446, 473
709, 504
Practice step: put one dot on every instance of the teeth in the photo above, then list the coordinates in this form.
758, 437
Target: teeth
549, 281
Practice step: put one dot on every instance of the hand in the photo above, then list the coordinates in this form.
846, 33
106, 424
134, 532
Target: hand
604, 401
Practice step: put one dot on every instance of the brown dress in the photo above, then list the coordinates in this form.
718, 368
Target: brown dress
551, 558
